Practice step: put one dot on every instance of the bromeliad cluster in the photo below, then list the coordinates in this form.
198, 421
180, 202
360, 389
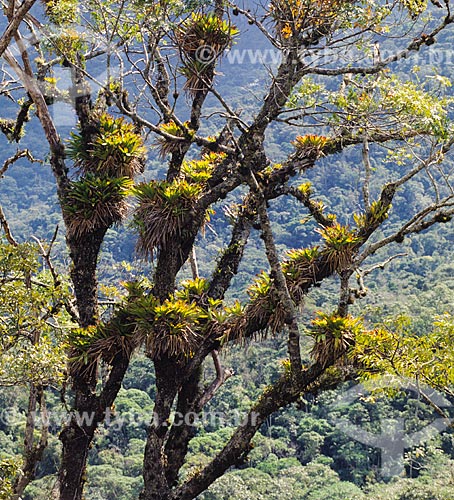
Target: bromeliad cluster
264, 313
95, 202
334, 336
173, 144
310, 146
339, 247
116, 149
107, 164
174, 327
161, 213
165, 329
376, 213
264, 309
164, 206
202, 39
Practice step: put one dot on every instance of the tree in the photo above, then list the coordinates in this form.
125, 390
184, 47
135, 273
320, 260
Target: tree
32, 305
331, 79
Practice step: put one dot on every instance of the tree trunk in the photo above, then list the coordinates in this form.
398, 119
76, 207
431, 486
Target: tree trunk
78, 434
156, 485
76, 442
84, 255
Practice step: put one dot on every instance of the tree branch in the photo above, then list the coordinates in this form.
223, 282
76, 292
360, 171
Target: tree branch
222, 374
13, 25
285, 391
4, 223
278, 279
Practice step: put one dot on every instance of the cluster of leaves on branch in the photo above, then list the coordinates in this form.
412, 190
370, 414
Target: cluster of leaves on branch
307, 20
62, 12
381, 103
297, 17
64, 43
31, 308
9, 468
164, 207
168, 145
201, 40
108, 164
397, 349
375, 214
162, 211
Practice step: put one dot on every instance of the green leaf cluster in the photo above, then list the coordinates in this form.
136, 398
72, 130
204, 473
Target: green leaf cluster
398, 349
334, 336
31, 307
95, 202
116, 150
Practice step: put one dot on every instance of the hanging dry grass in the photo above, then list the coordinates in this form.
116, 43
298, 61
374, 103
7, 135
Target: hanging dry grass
161, 212
333, 336
92, 203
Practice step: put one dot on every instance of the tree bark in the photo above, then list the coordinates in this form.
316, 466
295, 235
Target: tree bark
89, 411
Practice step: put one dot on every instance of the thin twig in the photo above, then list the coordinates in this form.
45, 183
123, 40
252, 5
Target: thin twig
23, 153
222, 374
4, 223
367, 173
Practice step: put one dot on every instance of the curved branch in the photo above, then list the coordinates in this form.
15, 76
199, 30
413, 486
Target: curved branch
285, 391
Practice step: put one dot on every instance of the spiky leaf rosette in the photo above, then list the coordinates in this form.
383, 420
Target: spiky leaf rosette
87, 346
340, 242
375, 214
202, 39
333, 336
116, 150
169, 145
196, 76
193, 290
93, 202
200, 171
204, 30
264, 309
170, 328
310, 146
300, 269
161, 212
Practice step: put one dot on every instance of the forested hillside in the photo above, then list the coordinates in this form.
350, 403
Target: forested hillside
310, 173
